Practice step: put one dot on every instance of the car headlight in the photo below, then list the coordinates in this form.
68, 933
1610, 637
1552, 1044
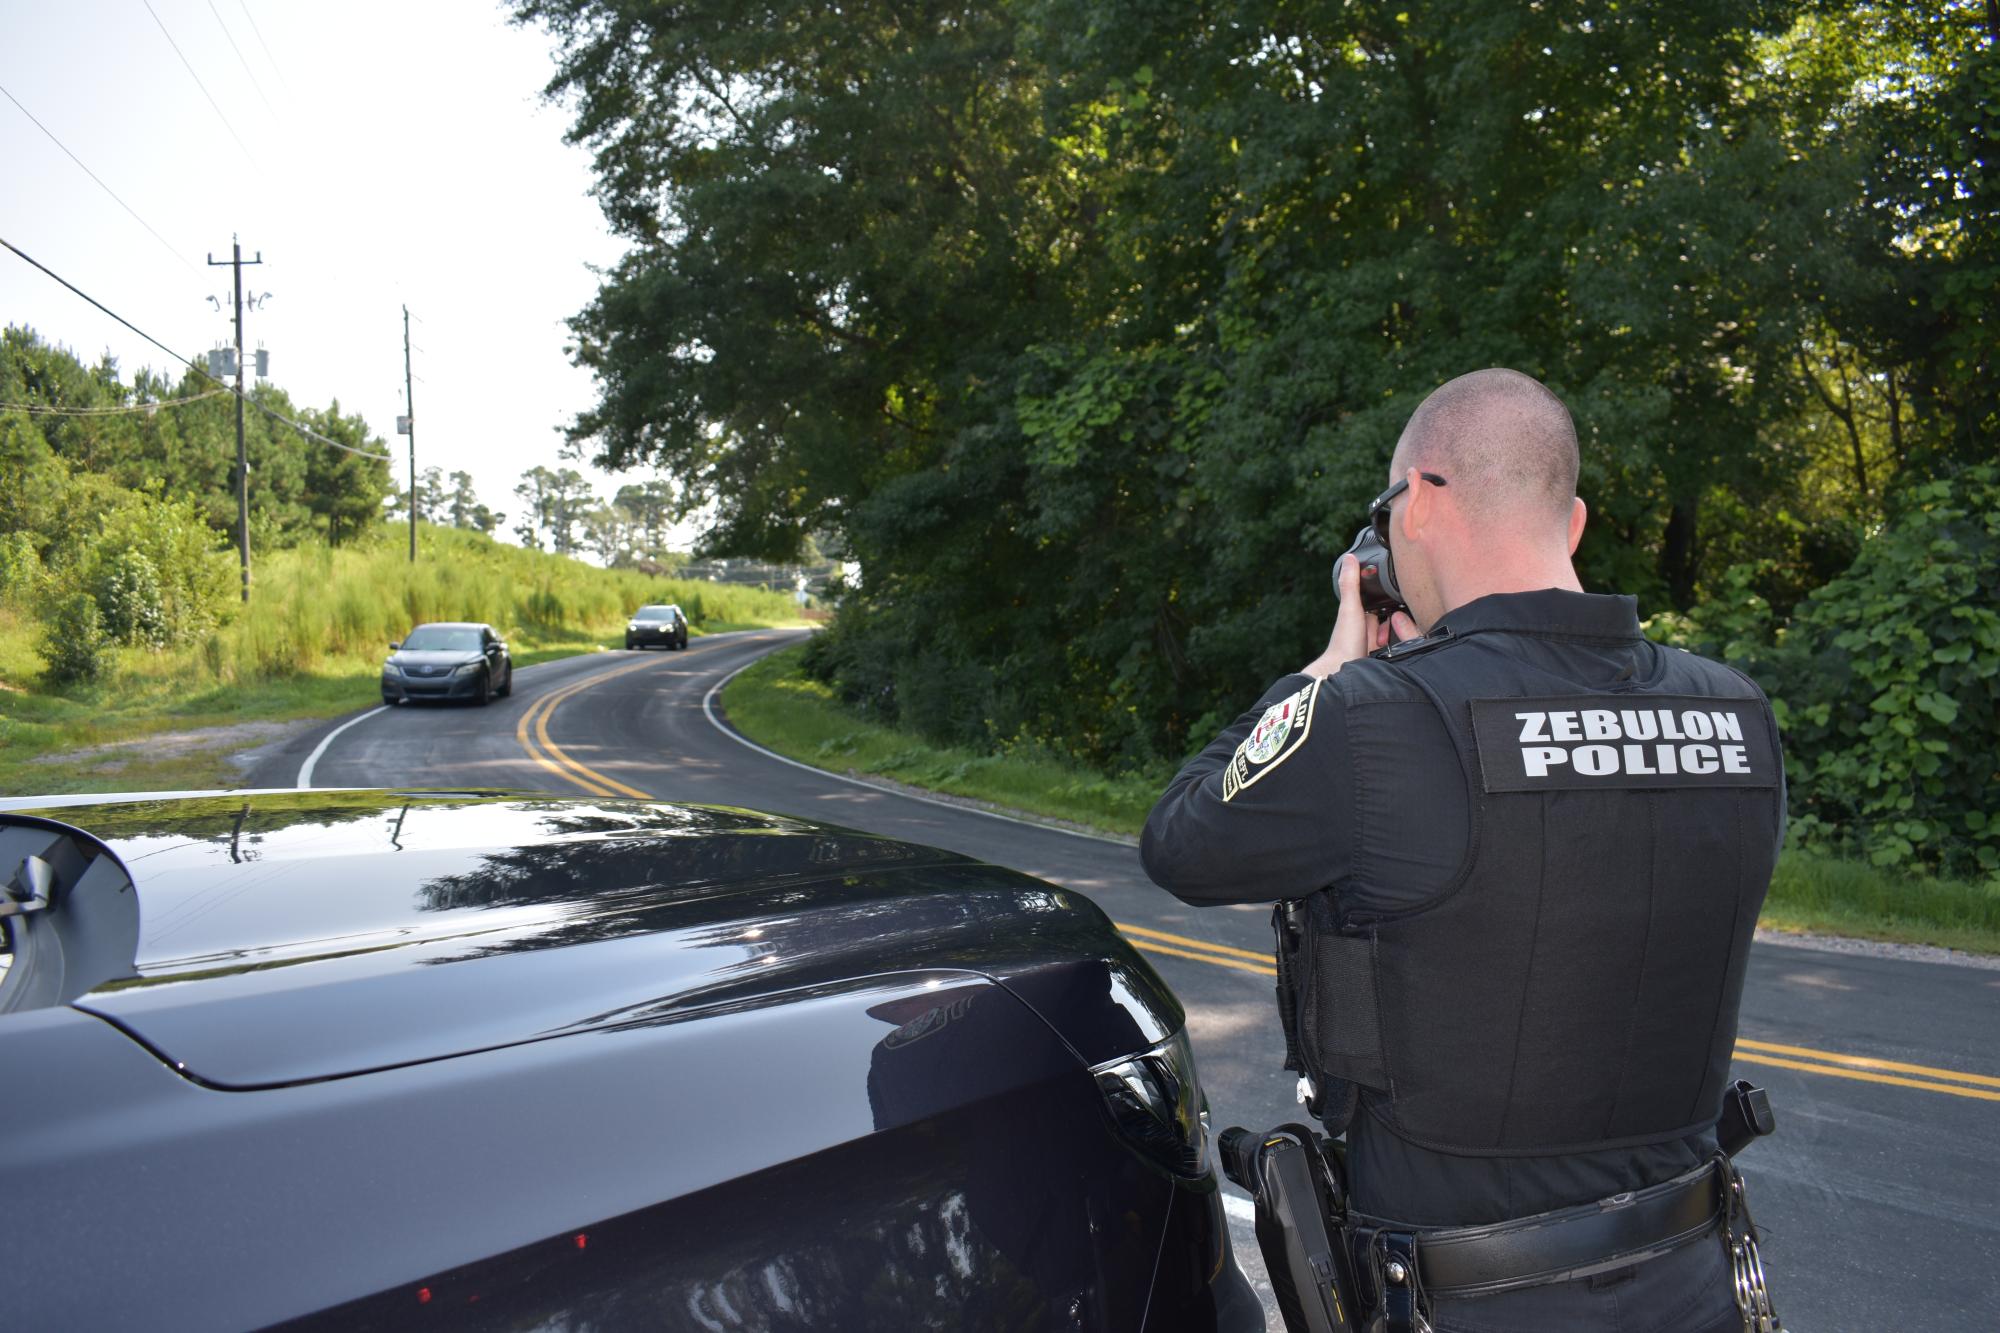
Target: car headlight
1157, 1106
631, 624
391, 669
467, 668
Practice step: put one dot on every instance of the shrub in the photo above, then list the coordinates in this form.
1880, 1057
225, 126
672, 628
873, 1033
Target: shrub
130, 600
20, 569
1888, 678
153, 566
196, 580
1885, 681
73, 640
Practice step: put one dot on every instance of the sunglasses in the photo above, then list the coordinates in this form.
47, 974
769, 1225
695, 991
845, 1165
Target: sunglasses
1378, 513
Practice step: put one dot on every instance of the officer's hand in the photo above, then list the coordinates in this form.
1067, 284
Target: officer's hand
1355, 632
1395, 629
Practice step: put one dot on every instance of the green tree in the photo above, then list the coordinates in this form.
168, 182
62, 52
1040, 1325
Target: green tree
653, 507
343, 490
1087, 326
465, 511
186, 443
612, 534
535, 492
570, 504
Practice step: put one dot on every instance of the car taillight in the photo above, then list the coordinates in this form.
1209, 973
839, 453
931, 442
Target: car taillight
1156, 1104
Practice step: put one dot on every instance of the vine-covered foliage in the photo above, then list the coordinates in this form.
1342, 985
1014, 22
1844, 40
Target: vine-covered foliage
1886, 683
1087, 326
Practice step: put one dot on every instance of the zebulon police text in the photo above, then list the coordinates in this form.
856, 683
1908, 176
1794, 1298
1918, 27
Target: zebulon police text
1576, 742
1682, 741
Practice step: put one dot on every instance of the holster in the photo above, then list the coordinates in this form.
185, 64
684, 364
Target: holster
1297, 1179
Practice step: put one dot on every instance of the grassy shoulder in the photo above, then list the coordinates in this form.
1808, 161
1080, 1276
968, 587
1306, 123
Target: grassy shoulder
779, 707
1828, 896
310, 646
782, 709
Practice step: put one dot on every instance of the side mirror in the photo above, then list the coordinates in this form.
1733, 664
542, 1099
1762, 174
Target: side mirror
501, 644
394, 644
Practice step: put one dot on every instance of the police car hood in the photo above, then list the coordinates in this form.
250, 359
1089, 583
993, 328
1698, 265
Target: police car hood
293, 936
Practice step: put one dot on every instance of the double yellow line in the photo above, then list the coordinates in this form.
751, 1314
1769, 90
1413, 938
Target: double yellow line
533, 734
1804, 1059
1180, 946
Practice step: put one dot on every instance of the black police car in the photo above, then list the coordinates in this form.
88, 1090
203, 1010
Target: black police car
387, 1059
448, 660
664, 625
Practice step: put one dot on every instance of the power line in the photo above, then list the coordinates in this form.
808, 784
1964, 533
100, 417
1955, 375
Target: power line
239, 57
261, 42
275, 415
43, 409
199, 84
100, 183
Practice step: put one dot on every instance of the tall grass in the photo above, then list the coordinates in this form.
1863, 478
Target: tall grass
310, 644
314, 607
1811, 891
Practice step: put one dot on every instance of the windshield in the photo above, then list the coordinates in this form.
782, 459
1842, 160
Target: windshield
442, 639
654, 613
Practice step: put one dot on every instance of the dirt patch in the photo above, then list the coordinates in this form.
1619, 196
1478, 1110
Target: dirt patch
113, 756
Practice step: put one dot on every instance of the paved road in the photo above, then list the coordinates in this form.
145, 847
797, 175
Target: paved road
1877, 1196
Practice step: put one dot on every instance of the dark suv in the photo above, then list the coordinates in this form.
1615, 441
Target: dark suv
664, 625
390, 1059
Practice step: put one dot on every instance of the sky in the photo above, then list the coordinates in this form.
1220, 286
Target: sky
389, 154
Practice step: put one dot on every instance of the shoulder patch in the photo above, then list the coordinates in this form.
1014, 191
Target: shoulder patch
1594, 741
1276, 737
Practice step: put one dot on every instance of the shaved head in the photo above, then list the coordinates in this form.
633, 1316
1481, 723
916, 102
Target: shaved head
1503, 441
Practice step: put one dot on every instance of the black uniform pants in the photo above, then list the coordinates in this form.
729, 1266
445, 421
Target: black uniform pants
1688, 1291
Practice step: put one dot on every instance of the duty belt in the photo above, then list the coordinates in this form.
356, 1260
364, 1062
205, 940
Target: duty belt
1558, 1246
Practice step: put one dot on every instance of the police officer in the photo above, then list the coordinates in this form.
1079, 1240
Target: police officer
1529, 847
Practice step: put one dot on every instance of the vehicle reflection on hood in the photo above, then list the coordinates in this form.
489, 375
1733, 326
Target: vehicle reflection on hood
342, 909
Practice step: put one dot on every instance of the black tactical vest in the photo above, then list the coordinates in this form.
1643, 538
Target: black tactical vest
1573, 986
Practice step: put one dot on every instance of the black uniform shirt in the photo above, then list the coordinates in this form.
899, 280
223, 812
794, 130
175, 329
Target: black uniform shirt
1355, 784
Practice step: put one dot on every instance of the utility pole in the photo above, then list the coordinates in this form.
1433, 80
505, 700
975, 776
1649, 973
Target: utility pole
410, 429
237, 262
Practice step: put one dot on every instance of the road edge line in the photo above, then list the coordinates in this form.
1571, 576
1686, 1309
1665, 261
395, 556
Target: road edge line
708, 711
306, 769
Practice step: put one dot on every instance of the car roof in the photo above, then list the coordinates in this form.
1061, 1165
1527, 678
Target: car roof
451, 624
